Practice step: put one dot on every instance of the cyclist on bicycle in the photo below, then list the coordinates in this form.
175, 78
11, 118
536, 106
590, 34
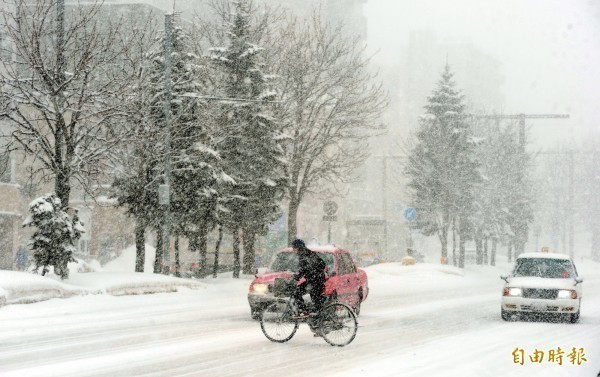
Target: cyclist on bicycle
312, 269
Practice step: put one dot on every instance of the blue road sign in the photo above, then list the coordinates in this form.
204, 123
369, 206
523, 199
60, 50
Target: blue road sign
410, 214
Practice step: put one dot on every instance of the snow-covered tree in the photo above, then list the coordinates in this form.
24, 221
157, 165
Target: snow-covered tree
53, 241
498, 157
193, 179
441, 167
331, 104
61, 88
251, 139
196, 175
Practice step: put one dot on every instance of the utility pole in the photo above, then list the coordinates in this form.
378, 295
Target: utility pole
521, 118
165, 189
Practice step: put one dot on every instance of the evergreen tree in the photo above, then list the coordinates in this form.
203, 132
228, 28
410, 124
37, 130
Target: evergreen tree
498, 158
197, 174
441, 166
195, 171
251, 146
53, 242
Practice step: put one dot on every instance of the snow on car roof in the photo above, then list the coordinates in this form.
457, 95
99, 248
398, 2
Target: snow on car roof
319, 248
544, 255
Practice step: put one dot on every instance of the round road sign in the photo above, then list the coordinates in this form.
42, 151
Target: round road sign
330, 207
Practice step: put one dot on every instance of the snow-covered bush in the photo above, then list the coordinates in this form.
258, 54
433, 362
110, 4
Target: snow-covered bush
53, 243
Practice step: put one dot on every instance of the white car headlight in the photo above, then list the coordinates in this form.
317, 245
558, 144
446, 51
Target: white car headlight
260, 288
567, 293
513, 292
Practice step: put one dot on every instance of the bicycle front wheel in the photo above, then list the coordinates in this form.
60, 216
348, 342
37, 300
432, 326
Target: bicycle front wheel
277, 322
337, 324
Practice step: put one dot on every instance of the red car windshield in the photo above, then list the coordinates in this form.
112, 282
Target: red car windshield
289, 262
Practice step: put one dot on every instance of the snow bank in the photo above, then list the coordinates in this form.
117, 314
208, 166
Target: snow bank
117, 278
24, 287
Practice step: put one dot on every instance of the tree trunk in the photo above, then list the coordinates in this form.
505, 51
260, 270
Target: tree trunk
454, 260
236, 253
217, 246
193, 248
461, 244
62, 188
202, 234
140, 248
444, 241
485, 251
494, 248
461, 250
510, 251
159, 251
478, 249
249, 239
177, 265
292, 216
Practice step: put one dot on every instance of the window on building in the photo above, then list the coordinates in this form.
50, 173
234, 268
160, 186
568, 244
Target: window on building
82, 247
106, 253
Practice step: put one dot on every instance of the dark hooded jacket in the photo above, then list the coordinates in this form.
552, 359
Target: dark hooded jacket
311, 267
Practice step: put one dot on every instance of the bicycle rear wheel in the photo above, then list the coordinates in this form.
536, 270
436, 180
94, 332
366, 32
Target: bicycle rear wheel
337, 324
277, 322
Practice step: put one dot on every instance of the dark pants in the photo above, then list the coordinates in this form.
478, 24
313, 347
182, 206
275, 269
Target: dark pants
316, 296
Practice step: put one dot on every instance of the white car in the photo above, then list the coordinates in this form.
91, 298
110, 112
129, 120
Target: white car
542, 283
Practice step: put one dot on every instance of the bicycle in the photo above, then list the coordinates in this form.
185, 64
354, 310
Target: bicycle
336, 323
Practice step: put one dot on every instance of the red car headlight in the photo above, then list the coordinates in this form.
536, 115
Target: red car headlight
259, 288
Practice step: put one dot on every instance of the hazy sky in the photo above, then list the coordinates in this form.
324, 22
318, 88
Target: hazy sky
549, 50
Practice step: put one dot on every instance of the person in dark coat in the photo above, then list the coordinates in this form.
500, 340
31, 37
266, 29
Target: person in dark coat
312, 269
22, 258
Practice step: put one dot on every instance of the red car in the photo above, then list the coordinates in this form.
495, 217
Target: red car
346, 282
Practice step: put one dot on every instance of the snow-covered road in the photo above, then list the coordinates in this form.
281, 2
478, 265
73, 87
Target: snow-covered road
421, 322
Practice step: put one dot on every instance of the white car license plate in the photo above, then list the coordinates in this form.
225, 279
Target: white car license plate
539, 307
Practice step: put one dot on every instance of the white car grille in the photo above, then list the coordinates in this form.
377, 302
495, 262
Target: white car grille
545, 294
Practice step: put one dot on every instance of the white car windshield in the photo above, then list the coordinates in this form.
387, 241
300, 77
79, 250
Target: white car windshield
544, 268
